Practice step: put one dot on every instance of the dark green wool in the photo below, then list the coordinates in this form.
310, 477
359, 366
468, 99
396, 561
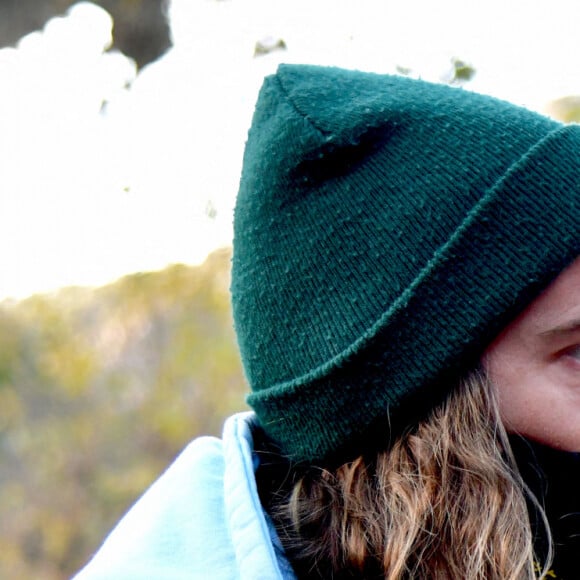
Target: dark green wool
386, 229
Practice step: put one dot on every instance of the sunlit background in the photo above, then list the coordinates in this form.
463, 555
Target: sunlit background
121, 140
104, 171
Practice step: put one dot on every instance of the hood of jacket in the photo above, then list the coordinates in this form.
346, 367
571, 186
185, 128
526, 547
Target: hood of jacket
201, 519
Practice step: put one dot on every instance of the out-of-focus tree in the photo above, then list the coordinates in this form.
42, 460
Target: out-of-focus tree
99, 390
141, 30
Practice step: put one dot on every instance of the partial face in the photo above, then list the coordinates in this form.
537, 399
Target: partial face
535, 364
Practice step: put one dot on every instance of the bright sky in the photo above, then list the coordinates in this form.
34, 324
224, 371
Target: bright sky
91, 192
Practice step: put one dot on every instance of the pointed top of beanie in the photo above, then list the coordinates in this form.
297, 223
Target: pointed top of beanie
385, 230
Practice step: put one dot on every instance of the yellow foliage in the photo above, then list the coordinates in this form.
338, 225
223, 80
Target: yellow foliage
99, 391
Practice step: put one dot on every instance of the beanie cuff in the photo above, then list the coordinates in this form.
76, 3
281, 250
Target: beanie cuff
515, 241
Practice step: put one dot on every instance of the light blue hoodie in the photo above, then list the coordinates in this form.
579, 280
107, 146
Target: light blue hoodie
201, 519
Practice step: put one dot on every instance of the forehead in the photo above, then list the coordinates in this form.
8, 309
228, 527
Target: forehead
559, 304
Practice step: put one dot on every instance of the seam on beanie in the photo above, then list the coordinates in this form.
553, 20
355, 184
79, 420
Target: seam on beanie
286, 92
402, 300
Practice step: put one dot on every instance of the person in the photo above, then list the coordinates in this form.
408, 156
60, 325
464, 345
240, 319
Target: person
406, 297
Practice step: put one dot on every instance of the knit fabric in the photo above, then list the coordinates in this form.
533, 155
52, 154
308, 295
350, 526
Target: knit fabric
385, 230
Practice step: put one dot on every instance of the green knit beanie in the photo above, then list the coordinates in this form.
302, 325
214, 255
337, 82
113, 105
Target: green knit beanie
386, 229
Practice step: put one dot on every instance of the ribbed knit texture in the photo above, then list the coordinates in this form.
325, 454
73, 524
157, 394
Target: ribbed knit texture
385, 230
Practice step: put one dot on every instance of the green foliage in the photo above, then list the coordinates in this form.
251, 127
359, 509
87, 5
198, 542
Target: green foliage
461, 72
99, 390
269, 45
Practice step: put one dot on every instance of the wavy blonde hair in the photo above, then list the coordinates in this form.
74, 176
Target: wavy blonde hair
445, 501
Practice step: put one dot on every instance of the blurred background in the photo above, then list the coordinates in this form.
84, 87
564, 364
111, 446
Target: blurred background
122, 125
